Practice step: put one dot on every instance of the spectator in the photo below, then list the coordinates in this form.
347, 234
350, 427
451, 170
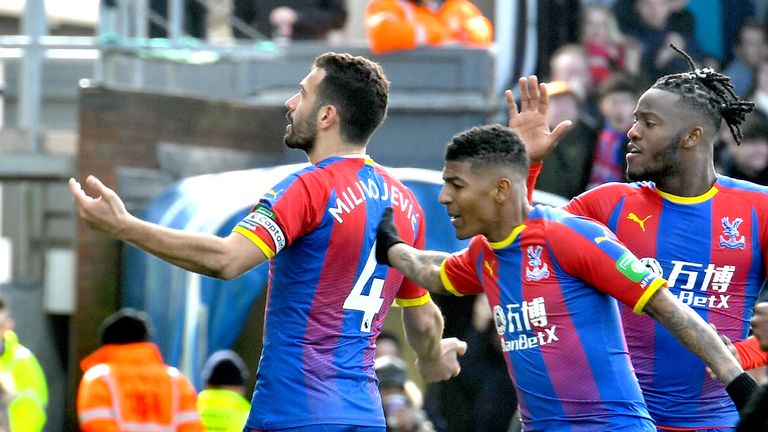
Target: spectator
606, 48
401, 409
289, 19
759, 94
221, 404
127, 386
617, 101
653, 30
395, 25
749, 161
23, 380
567, 170
751, 49
571, 65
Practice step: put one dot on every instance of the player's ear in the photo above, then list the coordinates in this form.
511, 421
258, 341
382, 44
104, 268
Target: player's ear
503, 189
693, 137
326, 116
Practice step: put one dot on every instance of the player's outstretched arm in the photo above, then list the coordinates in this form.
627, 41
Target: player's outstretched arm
438, 359
422, 267
530, 121
206, 254
701, 339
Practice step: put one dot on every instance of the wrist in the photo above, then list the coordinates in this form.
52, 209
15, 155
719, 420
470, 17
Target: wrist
740, 389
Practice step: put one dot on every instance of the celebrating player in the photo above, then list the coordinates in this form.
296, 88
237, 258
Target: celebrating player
551, 279
704, 232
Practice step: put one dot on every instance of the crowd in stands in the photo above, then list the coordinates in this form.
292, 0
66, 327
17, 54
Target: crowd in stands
622, 46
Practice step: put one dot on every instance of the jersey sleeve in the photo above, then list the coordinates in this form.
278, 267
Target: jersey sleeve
411, 294
458, 273
589, 251
286, 212
749, 353
533, 173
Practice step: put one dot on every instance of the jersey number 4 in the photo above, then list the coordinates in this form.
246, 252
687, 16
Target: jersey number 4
369, 304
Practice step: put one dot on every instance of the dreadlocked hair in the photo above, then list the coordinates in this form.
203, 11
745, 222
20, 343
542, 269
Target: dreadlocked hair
709, 93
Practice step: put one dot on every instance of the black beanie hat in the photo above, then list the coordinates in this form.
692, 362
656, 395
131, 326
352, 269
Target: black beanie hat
125, 326
224, 368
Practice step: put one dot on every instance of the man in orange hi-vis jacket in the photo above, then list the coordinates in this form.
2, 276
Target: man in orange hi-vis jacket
127, 386
394, 25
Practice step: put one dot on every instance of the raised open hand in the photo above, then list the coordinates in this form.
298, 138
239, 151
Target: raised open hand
530, 121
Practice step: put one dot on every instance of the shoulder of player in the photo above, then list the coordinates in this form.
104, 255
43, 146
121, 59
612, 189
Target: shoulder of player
741, 188
618, 190
555, 221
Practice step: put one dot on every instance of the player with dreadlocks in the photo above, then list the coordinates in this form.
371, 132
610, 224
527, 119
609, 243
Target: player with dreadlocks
702, 231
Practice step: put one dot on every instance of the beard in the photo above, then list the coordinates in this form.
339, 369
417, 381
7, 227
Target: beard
302, 134
663, 164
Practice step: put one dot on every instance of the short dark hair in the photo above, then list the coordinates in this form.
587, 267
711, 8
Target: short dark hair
359, 90
617, 82
708, 93
125, 326
489, 146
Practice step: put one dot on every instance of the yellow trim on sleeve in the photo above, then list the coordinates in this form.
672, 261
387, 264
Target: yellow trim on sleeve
649, 292
447, 282
255, 240
414, 301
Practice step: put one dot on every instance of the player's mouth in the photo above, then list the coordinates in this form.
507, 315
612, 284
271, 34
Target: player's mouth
632, 148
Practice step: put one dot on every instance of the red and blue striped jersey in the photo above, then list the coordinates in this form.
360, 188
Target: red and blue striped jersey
709, 248
327, 295
552, 286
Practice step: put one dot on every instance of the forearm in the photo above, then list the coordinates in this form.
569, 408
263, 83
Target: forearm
694, 333
423, 330
422, 267
200, 253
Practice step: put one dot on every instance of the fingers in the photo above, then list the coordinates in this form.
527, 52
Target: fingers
525, 96
78, 194
459, 346
95, 186
560, 129
543, 99
511, 105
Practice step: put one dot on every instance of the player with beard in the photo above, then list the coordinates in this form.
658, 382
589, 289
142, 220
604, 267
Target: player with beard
702, 231
327, 296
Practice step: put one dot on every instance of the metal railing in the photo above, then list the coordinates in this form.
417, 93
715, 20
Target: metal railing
123, 28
